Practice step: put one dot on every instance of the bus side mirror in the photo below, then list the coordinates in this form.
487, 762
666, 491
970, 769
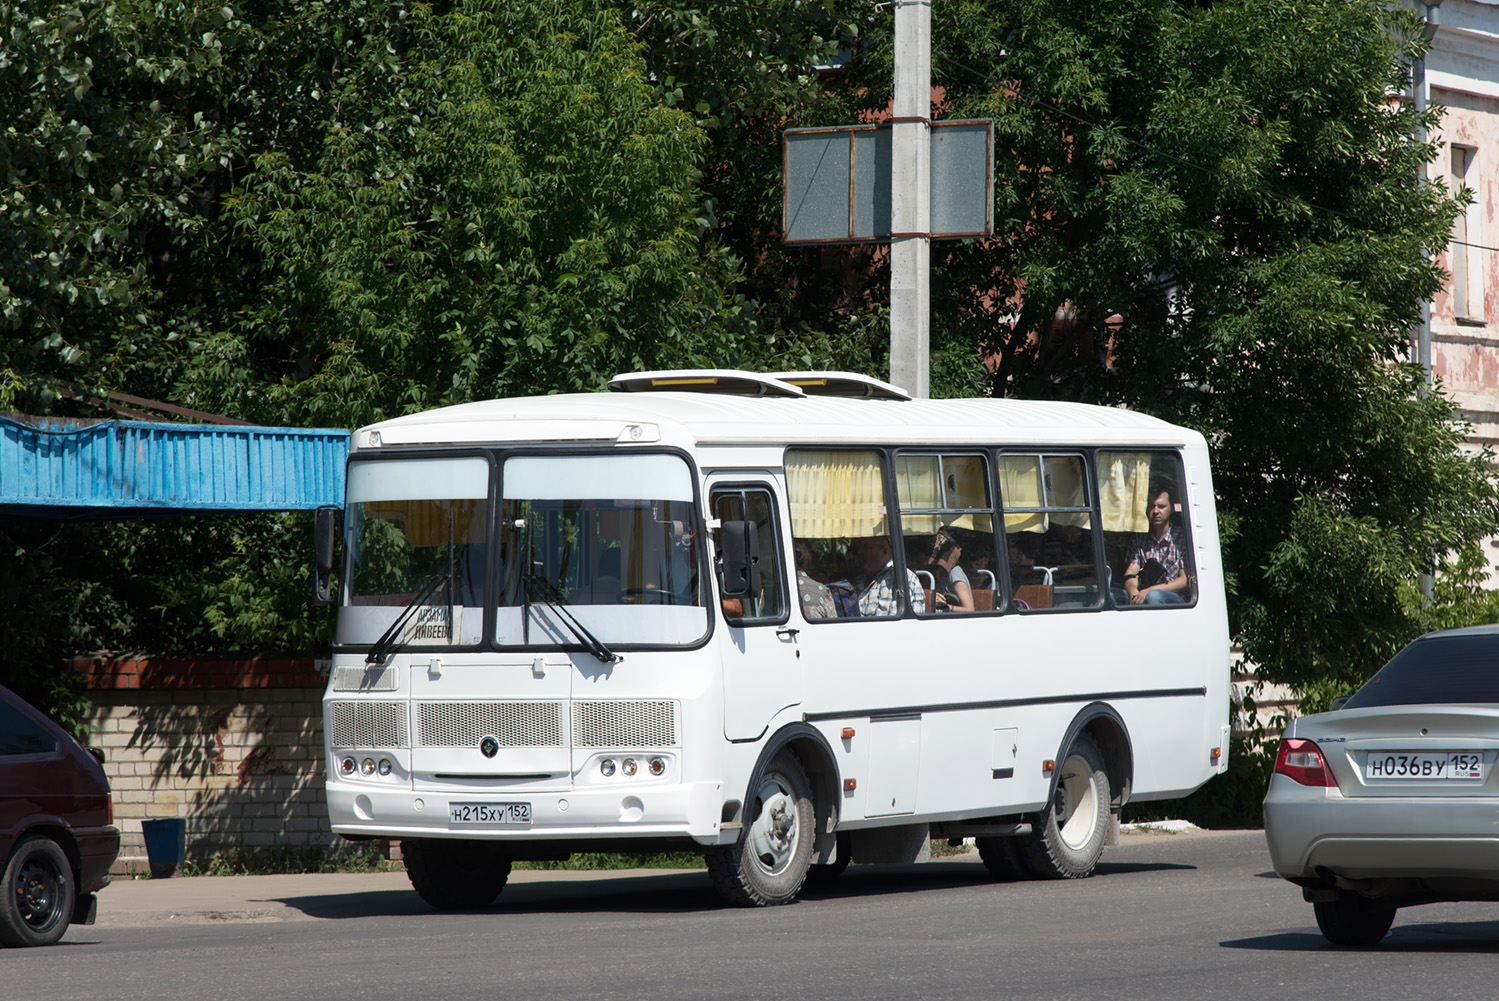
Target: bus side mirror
740, 541
322, 555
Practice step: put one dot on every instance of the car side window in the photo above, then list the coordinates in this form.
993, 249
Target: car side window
20, 734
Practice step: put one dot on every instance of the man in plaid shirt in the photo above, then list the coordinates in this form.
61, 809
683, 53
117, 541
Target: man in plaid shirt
1161, 545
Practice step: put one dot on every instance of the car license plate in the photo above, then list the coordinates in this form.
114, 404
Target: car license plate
495, 814
1437, 765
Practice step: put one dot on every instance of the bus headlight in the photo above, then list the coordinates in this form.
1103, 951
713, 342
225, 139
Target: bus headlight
346, 766
367, 766
607, 766
657, 766
384, 767
629, 766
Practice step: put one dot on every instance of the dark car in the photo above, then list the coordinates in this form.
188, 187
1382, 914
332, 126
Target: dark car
57, 833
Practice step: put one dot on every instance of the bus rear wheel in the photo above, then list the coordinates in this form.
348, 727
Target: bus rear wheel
1001, 857
769, 862
1066, 841
452, 875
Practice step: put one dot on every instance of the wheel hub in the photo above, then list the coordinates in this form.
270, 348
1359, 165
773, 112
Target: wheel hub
773, 835
36, 892
1074, 804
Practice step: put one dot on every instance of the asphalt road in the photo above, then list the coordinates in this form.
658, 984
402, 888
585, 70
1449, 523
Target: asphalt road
1195, 915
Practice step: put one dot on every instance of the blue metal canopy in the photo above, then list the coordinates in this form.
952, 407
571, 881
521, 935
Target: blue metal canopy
129, 469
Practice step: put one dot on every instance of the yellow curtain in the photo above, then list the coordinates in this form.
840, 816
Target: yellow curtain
426, 522
1123, 481
963, 499
1020, 487
1067, 486
969, 490
835, 495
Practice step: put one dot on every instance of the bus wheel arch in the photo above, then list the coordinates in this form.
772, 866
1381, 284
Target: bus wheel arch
770, 860
1089, 784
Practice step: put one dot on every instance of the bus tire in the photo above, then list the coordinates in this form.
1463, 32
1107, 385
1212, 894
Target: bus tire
451, 874
1001, 857
1066, 841
769, 862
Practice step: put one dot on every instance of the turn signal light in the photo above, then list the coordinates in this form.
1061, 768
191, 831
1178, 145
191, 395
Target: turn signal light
1301, 761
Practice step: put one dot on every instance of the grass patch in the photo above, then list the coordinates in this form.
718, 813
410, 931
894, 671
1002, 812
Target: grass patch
366, 857
622, 860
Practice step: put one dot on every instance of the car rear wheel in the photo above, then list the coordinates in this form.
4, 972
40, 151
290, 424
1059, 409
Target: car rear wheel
38, 893
451, 874
1353, 919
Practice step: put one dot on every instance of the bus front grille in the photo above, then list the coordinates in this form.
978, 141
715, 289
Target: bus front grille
513, 724
624, 724
368, 724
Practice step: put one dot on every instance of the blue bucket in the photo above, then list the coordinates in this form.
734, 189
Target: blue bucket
166, 846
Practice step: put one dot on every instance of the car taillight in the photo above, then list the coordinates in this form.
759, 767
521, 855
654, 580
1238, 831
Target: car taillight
1301, 761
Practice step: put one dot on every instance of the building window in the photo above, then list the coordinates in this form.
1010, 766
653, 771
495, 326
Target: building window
1467, 275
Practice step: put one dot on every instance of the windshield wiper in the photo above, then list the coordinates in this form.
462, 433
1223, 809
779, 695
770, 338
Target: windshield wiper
386, 644
558, 604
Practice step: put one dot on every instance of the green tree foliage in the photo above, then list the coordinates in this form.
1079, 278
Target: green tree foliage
492, 201
106, 160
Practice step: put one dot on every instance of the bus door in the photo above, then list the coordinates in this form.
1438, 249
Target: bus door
761, 669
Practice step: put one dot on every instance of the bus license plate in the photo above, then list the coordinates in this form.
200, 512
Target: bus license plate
494, 814
1440, 765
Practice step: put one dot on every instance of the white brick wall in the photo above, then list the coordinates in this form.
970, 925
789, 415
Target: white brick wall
244, 767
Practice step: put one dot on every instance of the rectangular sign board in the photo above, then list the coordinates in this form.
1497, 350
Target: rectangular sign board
836, 182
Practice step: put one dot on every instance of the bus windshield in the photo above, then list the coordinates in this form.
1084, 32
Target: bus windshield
414, 523
613, 537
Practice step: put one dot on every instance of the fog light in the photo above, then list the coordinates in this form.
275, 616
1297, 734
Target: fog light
367, 766
630, 766
607, 766
658, 766
384, 768
346, 766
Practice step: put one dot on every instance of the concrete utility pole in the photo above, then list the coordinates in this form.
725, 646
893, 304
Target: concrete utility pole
910, 200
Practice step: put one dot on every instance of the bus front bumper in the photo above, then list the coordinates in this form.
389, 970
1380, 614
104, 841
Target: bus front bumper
690, 810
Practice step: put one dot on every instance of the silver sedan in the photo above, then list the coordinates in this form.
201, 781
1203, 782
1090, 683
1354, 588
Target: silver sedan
1392, 798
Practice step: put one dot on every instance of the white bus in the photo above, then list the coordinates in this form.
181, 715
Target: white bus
788, 621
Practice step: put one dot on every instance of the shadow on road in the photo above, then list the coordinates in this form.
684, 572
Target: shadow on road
677, 892
1478, 937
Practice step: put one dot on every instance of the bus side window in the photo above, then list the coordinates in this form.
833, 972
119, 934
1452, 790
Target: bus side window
1147, 541
755, 505
1049, 532
947, 529
841, 530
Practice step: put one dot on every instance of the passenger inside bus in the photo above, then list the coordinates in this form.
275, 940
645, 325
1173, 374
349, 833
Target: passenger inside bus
1156, 572
876, 579
816, 597
951, 590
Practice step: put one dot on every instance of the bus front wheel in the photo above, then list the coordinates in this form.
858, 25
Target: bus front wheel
453, 875
769, 862
1066, 841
